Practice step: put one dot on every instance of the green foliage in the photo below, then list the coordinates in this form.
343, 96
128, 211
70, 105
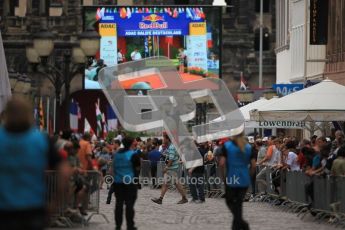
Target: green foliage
173, 52
111, 135
130, 49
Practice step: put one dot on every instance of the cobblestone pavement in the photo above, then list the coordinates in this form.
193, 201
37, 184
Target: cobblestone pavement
213, 214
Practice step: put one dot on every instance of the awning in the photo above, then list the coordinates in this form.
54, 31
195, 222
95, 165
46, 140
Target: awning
321, 102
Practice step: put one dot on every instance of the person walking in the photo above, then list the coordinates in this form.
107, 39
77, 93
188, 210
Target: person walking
126, 165
154, 156
171, 173
25, 154
237, 155
196, 183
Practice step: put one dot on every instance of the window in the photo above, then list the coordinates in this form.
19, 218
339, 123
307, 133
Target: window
13, 5
266, 6
265, 41
282, 23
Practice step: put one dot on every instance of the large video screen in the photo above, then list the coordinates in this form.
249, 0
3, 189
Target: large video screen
189, 36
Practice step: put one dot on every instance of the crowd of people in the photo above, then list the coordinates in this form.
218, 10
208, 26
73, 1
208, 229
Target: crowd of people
75, 156
317, 156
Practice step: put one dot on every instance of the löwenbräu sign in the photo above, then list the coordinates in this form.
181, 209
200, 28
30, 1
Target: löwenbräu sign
282, 124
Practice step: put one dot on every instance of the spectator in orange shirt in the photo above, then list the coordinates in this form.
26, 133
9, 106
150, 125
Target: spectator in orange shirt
85, 152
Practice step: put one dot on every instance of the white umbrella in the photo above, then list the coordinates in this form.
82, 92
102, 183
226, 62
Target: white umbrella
321, 102
5, 87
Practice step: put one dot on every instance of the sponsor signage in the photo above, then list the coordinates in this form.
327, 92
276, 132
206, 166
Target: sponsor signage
197, 51
282, 124
285, 89
152, 24
107, 29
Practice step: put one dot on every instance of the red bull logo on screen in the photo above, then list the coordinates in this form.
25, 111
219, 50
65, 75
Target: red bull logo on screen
154, 19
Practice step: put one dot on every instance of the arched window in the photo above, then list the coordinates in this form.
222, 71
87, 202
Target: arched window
265, 41
266, 6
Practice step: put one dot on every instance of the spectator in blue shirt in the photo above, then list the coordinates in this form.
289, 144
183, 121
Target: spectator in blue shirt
154, 157
25, 154
237, 155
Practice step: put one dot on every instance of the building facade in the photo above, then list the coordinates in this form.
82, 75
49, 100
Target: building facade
20, 19
335, 50
321, 61
297, 60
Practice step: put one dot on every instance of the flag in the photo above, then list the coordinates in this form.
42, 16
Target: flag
98, 119
111, 118
5, 86
123, 13
176, 13
79, 111
242, 85
189, 13
129, 13
41, 115
98, 14
73, 116
202, 14
105, 130
87, 127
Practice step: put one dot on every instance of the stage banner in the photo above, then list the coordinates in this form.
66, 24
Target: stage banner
108, 51
153, 24
197, 46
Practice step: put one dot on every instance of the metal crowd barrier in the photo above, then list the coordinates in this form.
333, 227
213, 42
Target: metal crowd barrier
145, 169
328, 194
60, 197
94, 179
57, 198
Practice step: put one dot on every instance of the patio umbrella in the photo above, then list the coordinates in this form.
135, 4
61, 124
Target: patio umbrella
321, 102
5, 87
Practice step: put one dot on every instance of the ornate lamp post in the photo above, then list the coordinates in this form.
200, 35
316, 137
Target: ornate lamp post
89, 42
38, 54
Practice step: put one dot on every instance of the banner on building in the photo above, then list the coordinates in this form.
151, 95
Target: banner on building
318, 22
285, 89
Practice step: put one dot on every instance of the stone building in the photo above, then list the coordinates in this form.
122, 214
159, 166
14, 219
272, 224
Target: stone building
20, 19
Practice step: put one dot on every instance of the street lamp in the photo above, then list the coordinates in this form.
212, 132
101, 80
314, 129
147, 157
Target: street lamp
89, 42
43, 46
43, 43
